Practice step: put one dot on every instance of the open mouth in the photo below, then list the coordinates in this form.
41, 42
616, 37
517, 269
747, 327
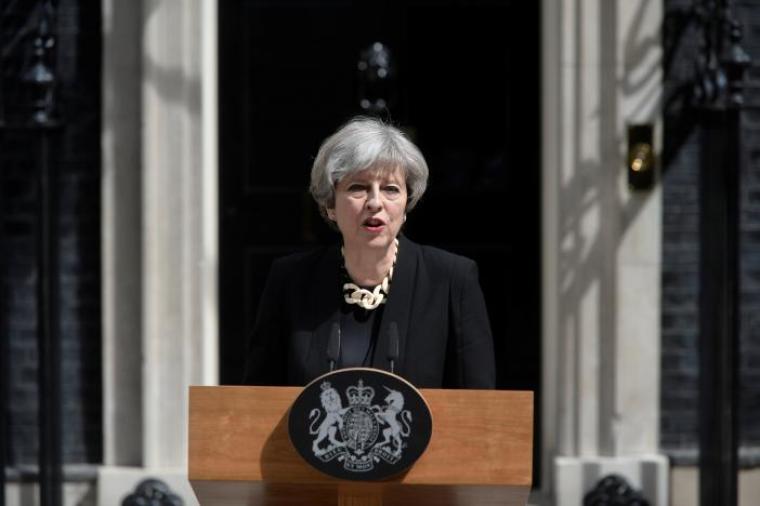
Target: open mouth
373, 223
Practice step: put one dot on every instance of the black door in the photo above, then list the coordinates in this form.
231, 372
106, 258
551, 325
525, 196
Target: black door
464, 83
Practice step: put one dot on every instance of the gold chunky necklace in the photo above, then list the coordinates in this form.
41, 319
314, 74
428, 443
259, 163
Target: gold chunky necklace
369, 299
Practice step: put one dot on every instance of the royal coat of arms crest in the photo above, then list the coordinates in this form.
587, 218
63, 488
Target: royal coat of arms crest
352, 434
360, 424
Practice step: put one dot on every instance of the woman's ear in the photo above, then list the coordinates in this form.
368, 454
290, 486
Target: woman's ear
330, 214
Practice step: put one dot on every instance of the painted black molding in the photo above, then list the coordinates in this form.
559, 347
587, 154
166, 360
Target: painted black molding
614, 490
152, 492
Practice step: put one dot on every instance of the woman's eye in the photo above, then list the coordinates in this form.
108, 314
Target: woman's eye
392, 191
355, 187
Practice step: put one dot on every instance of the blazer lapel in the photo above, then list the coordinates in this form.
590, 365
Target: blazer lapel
399, 305
324, 299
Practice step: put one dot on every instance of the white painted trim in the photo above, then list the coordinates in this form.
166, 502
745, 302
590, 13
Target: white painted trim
121, 241
551, 116
210, 191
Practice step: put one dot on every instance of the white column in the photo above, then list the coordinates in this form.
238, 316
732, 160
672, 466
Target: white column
179, 236
160, 234
601, 249
121, 234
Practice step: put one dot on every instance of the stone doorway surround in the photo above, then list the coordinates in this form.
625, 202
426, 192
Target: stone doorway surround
159, 235
601, 71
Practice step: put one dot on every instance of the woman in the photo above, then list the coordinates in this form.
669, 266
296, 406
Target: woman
365, 179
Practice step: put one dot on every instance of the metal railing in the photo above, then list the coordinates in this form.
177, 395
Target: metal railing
36, 116
719, 97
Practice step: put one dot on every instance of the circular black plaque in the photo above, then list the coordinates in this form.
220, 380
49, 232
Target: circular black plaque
360, 424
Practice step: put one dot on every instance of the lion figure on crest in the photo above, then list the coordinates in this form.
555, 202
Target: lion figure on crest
332, 421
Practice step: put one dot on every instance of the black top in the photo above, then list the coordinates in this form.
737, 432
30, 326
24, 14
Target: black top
359, 328
435, 300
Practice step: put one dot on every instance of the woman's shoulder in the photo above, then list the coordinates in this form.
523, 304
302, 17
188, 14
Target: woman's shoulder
304, 260
436, 258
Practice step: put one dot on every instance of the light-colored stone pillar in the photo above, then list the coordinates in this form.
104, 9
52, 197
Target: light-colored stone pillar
160, 234
601, 250
179, 235
121, 236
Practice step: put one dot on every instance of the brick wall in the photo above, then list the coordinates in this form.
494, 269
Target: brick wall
750, 247
680, 289
680, 262
76, 159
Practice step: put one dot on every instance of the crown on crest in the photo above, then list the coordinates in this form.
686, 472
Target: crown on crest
359, 394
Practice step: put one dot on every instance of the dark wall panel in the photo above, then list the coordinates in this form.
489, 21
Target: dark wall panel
465, 87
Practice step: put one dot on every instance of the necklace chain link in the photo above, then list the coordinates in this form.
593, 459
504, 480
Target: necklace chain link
369, 299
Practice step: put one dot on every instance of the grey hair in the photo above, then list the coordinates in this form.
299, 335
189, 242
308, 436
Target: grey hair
366, 143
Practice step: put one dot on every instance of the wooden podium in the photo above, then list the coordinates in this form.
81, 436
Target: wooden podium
480, 453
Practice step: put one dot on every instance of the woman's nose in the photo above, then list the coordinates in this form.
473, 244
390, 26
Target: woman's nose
373, 199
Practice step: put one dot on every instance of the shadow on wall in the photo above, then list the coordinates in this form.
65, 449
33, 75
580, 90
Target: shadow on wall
597, 212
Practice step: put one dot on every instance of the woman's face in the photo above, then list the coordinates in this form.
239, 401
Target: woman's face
369, 207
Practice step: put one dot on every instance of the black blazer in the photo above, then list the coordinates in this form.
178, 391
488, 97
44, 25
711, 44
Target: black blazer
435, 299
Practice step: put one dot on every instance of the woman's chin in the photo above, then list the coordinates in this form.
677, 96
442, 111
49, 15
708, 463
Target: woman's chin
374, 240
